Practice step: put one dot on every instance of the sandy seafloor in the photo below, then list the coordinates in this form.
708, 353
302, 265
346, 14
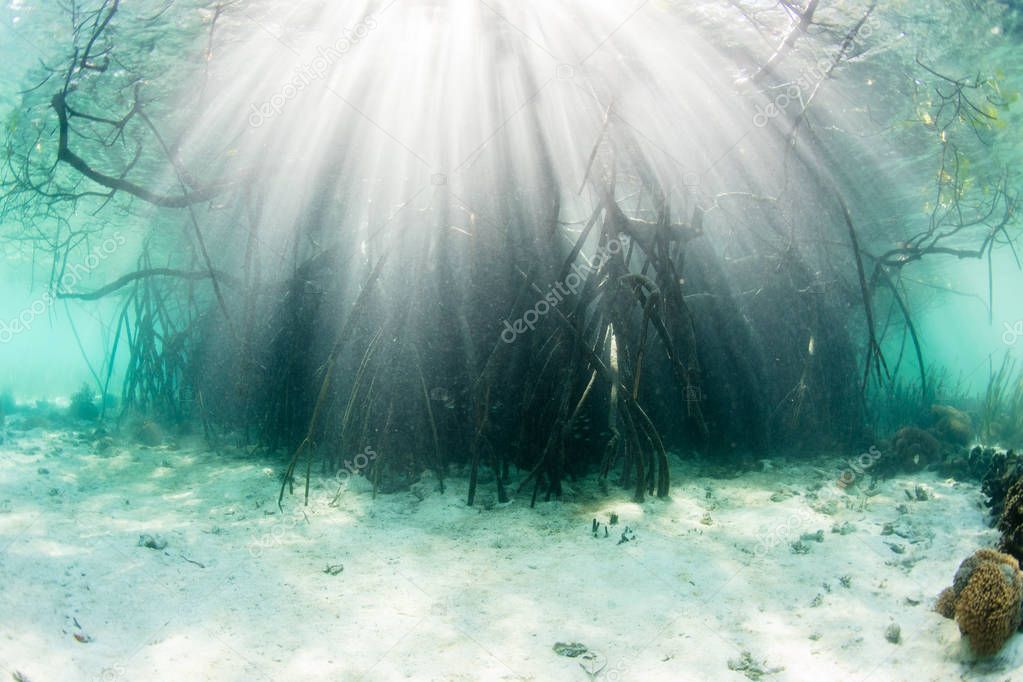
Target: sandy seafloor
710, 588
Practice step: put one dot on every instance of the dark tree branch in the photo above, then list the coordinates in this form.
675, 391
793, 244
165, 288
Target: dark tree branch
67, 156
124, 281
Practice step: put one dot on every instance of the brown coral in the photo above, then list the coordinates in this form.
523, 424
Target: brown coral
985, 600
915, 449
952, 425
970, 564
1011, 521
946, 604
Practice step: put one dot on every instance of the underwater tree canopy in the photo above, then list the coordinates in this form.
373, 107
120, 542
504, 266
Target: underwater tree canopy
507, 257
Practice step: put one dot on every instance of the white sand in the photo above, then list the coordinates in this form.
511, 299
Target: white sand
433, 590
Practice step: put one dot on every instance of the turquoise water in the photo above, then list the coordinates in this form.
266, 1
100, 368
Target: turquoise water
523, 248
878, 79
